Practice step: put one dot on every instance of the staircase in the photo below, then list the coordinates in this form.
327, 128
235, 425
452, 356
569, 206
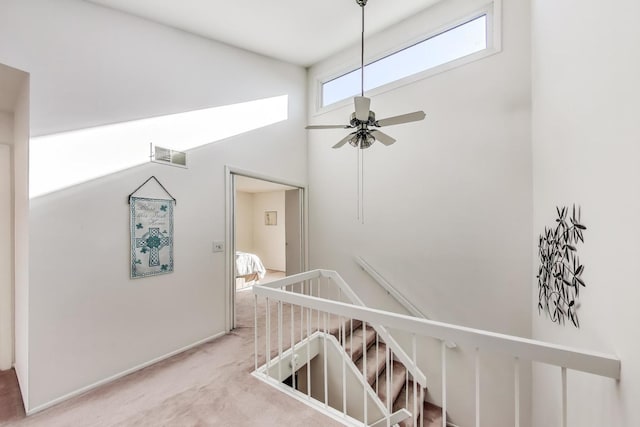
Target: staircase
352, 371
358, 374
394, 388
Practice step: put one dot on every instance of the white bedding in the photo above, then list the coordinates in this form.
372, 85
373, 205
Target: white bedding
247, 264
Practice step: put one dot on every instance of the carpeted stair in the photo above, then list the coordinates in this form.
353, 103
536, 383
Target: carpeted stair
377, 376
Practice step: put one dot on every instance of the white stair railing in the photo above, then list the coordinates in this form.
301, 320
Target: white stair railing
327, 284
284, 291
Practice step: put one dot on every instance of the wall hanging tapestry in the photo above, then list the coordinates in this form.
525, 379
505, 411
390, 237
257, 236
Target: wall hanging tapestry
151, 234
560, 271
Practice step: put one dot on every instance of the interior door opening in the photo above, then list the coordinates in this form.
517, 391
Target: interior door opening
266, 233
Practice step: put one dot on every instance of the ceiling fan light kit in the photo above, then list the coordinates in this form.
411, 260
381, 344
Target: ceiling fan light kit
363, 120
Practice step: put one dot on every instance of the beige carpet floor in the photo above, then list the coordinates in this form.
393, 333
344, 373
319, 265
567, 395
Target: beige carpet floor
10, 400
207, 386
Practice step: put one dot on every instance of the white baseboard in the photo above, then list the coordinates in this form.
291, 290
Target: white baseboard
31, 411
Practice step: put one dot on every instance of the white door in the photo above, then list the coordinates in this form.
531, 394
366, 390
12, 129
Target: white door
293, 231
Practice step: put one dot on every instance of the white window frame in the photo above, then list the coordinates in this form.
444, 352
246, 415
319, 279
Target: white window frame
493, 12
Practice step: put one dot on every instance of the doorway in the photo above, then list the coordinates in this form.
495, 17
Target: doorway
265, 232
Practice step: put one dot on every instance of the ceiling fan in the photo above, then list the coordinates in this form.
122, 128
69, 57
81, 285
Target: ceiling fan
363, 120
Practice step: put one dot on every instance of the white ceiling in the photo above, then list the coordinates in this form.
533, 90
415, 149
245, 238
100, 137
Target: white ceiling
250, 185
302, 32
10, 84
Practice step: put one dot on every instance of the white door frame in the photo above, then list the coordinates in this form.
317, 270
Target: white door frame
230, 239
7, 258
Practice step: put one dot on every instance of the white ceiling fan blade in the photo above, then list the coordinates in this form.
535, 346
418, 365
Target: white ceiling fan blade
403, 118
343, 140
362, 105
382, 137
328, 127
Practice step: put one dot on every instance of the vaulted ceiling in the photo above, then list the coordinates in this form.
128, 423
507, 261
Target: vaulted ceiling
302, 32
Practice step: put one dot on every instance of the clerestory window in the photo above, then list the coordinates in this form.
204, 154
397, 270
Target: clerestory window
452, 44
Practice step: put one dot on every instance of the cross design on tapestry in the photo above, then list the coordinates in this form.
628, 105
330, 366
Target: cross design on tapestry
153, 241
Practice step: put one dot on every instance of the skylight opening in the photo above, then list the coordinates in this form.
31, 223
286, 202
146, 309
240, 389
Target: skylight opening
64, 159
450, 45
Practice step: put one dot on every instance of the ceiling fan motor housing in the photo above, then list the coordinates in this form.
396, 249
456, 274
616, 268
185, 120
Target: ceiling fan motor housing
355, 122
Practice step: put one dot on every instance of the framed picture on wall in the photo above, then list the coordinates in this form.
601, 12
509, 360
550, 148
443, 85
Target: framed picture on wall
270, 217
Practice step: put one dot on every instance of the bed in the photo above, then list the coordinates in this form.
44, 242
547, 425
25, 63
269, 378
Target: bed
249, 267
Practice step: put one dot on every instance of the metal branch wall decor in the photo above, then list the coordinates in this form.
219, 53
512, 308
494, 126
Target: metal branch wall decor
560, 271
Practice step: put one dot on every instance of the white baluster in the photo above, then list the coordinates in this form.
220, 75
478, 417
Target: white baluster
364, 369
406, 390
318, 289
414, 411
377, 359
309, 353
329, 321
293, 348
443, 351
255, 331
516, 379
477, 387
279, 340
387, 372
563, 373
415, 384
351, 339
344, 369
301, 314
421, 405
267, 341
326, 382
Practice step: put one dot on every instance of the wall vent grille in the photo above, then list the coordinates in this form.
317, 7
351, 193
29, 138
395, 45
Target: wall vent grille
169, 157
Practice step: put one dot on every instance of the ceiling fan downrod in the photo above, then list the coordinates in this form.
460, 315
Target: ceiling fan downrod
362, 4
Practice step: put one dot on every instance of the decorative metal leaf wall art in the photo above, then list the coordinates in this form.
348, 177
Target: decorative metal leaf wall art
560, 270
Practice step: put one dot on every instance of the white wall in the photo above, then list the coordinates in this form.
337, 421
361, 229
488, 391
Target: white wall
447, 208
269, 240
586, 104
244, 222
6, 258
90, 66
252, 235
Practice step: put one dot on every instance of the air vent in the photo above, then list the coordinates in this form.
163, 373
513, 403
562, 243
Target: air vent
169, 157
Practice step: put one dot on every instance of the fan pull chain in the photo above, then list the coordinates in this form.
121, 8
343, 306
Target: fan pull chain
360, 182
358, 179
361, 185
